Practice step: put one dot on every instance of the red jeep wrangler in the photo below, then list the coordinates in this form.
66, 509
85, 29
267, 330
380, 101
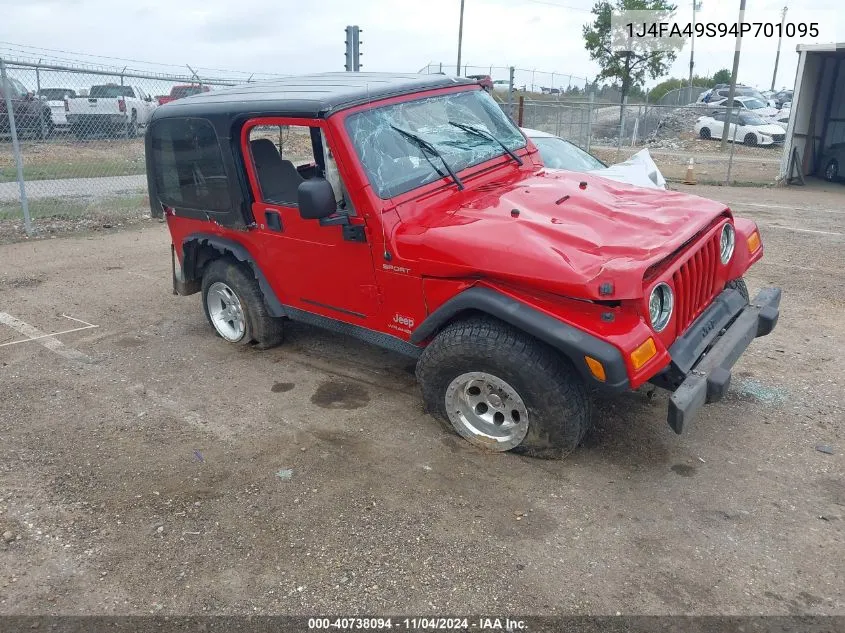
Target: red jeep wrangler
409, 211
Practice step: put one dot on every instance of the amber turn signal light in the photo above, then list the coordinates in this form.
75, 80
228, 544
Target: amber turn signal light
596, 368
643, 353
753, 242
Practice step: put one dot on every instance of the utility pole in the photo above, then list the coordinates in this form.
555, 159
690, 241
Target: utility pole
696, 6
460, 37
732, 91
780, 37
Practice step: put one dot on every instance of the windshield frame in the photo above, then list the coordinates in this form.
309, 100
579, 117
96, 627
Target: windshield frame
499, 159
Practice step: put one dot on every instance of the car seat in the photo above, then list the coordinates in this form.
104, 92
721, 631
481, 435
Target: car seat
278, 178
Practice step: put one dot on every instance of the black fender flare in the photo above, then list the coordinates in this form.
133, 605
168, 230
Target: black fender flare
572, 342
229, 247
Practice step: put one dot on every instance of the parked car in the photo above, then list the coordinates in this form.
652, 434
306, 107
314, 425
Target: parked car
558, 153
32, 115
180, 92
422, 220
718, 95
110, 109
781, 98
832, 162
55, 99
752, 129
752, 104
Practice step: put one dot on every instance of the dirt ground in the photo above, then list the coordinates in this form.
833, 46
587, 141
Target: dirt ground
148, 467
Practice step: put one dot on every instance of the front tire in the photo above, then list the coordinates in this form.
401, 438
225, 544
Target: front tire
501, 389
704, 133
739, 284
235, 308
750, 139
831, 170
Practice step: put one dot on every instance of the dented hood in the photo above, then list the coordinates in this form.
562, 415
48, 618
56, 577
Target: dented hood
528, 232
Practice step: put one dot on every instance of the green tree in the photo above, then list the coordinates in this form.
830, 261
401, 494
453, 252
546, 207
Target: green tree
629, 67
667, 85
722, 77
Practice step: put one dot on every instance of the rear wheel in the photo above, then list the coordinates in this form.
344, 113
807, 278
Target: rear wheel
235, 307
502, 390
750, 139
704, 133
831, 170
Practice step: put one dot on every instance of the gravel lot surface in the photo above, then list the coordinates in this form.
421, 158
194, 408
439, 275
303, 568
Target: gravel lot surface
148, 467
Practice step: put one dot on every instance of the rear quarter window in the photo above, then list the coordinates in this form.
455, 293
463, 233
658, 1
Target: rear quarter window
188, 165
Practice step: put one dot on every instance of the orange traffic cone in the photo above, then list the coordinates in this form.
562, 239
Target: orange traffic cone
689, 179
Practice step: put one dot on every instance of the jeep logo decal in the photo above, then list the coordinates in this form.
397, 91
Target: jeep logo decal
403, 320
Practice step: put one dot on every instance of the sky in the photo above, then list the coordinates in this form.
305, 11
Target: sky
287, 37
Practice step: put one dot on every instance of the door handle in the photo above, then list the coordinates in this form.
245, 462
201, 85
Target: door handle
274, 220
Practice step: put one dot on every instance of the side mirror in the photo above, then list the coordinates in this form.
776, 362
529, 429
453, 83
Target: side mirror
316, 199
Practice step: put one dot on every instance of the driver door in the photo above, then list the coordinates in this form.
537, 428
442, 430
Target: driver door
324, 267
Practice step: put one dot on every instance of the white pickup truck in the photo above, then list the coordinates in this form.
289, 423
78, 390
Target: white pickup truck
110, 109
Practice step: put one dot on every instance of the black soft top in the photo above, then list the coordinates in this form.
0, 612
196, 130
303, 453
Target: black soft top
307, 96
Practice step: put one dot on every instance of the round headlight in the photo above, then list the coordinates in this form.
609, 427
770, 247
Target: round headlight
660, 305
727, 242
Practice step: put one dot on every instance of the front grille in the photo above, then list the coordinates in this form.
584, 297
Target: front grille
778, 138
695, 283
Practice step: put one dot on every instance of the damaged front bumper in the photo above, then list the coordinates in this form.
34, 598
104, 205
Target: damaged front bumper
703, 356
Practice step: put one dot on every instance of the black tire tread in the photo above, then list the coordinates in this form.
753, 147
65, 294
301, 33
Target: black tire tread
513, 352
739, 284
262, 329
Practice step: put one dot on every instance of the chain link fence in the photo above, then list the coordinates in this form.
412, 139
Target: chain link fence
71, 139
77, 154
524, 80
673, 135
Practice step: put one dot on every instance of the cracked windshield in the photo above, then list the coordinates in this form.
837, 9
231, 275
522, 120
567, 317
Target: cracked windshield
410, 144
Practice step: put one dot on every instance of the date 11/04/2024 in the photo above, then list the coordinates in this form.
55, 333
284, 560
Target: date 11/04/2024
722, 29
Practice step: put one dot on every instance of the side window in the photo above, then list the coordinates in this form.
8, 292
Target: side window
189, 170
286, 155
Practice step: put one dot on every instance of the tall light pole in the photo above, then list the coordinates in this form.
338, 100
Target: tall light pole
460, 37
732, 91
696, 6
777, 56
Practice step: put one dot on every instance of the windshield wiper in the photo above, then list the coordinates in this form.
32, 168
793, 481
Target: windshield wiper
484, 134
425, 146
